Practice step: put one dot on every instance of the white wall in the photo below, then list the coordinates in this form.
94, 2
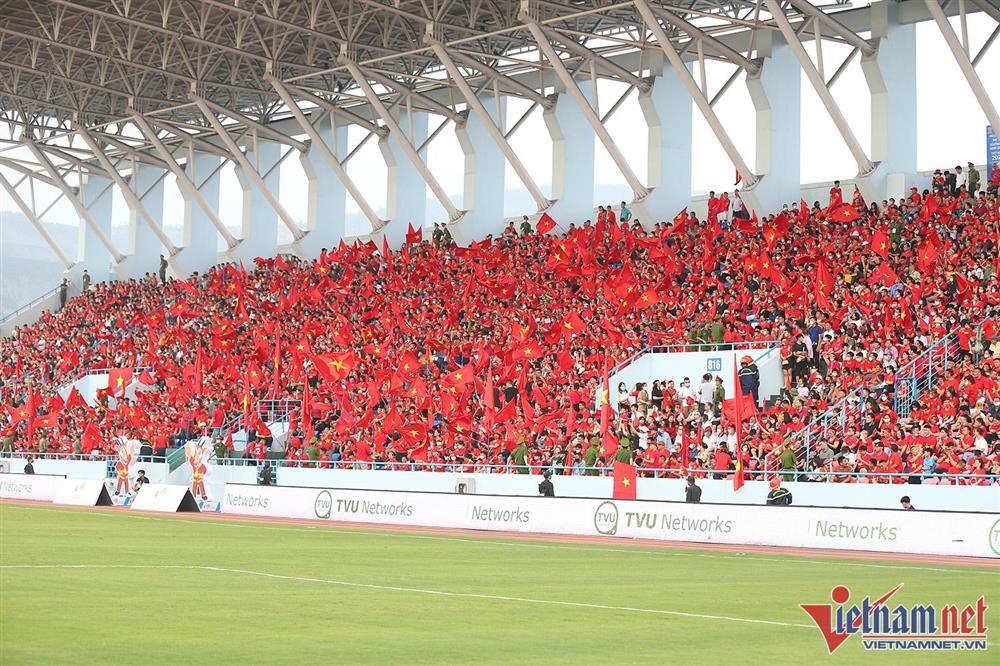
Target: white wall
678, 365
957, 498
863, 495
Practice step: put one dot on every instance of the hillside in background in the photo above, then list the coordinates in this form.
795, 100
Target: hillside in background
28, 268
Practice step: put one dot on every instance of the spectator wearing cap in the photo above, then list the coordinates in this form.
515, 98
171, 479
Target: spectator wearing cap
973, 179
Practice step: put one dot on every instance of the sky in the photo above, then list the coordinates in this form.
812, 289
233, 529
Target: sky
951, 129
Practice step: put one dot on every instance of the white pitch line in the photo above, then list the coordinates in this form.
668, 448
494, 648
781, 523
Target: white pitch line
487, 540
414, 590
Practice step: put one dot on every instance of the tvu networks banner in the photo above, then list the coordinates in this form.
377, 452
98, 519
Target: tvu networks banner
940, 533
30, 486
992, 151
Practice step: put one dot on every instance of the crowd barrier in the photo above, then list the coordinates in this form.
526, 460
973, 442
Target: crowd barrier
898, 531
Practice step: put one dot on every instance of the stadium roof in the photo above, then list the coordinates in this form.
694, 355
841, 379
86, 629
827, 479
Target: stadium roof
189, 66
90, 60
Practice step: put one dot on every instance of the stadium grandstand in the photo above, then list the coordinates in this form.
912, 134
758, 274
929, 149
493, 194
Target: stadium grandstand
499, 331
477, 342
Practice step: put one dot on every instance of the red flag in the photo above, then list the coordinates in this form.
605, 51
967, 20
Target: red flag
844, 213
118, 381
884, 275
307, 421
880, 244
489, 401
459, 378
413, 236
545, 224
91, 438
334, 367
824, 284
74, 399
47, 421
624, 475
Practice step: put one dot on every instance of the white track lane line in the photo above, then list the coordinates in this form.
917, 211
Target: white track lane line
415, 590
487, 540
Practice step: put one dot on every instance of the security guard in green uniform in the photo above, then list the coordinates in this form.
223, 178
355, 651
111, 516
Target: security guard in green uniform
624, 453
591, 455
519, 457
778, 496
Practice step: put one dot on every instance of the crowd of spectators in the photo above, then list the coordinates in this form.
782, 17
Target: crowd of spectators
492, 355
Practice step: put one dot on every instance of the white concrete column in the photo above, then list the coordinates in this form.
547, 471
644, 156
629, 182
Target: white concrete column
327, 211
892, 79
406, 195
572, 160
485, 166
201, 239
776, 92
260, 219
144, 247
94, 257
667, 109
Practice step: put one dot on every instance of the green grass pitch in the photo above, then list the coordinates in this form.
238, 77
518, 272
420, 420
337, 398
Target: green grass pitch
208, 591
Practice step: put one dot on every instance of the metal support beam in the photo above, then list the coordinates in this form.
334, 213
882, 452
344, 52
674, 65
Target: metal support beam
262, 128
700, 100
81, 210
130, 197
865, 165
709, 41
327, 105
639, 190
325, 152
831, 23
609, 66
487, 121
962, 58
516, 86
183, 181
431, 104
248, 168
35, 222
404, 142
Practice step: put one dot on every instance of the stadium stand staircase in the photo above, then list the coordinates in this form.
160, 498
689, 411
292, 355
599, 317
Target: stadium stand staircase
912, 380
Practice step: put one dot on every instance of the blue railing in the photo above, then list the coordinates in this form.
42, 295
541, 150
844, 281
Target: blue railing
580, 470
923, 372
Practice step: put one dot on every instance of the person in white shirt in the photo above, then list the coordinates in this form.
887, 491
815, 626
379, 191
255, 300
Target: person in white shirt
961, 178
706, 392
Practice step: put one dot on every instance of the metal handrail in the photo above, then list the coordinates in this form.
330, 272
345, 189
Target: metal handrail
24, 308
510, 468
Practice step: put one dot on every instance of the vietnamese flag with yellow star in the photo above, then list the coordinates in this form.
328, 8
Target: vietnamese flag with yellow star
118, 381
624, 475
334, 367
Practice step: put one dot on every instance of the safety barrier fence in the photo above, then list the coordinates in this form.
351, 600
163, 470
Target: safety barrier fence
561, 470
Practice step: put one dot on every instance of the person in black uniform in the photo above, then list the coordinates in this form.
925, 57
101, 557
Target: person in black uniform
29, 468
750, 379
692, 493
778, 495
545, 488
264, 475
